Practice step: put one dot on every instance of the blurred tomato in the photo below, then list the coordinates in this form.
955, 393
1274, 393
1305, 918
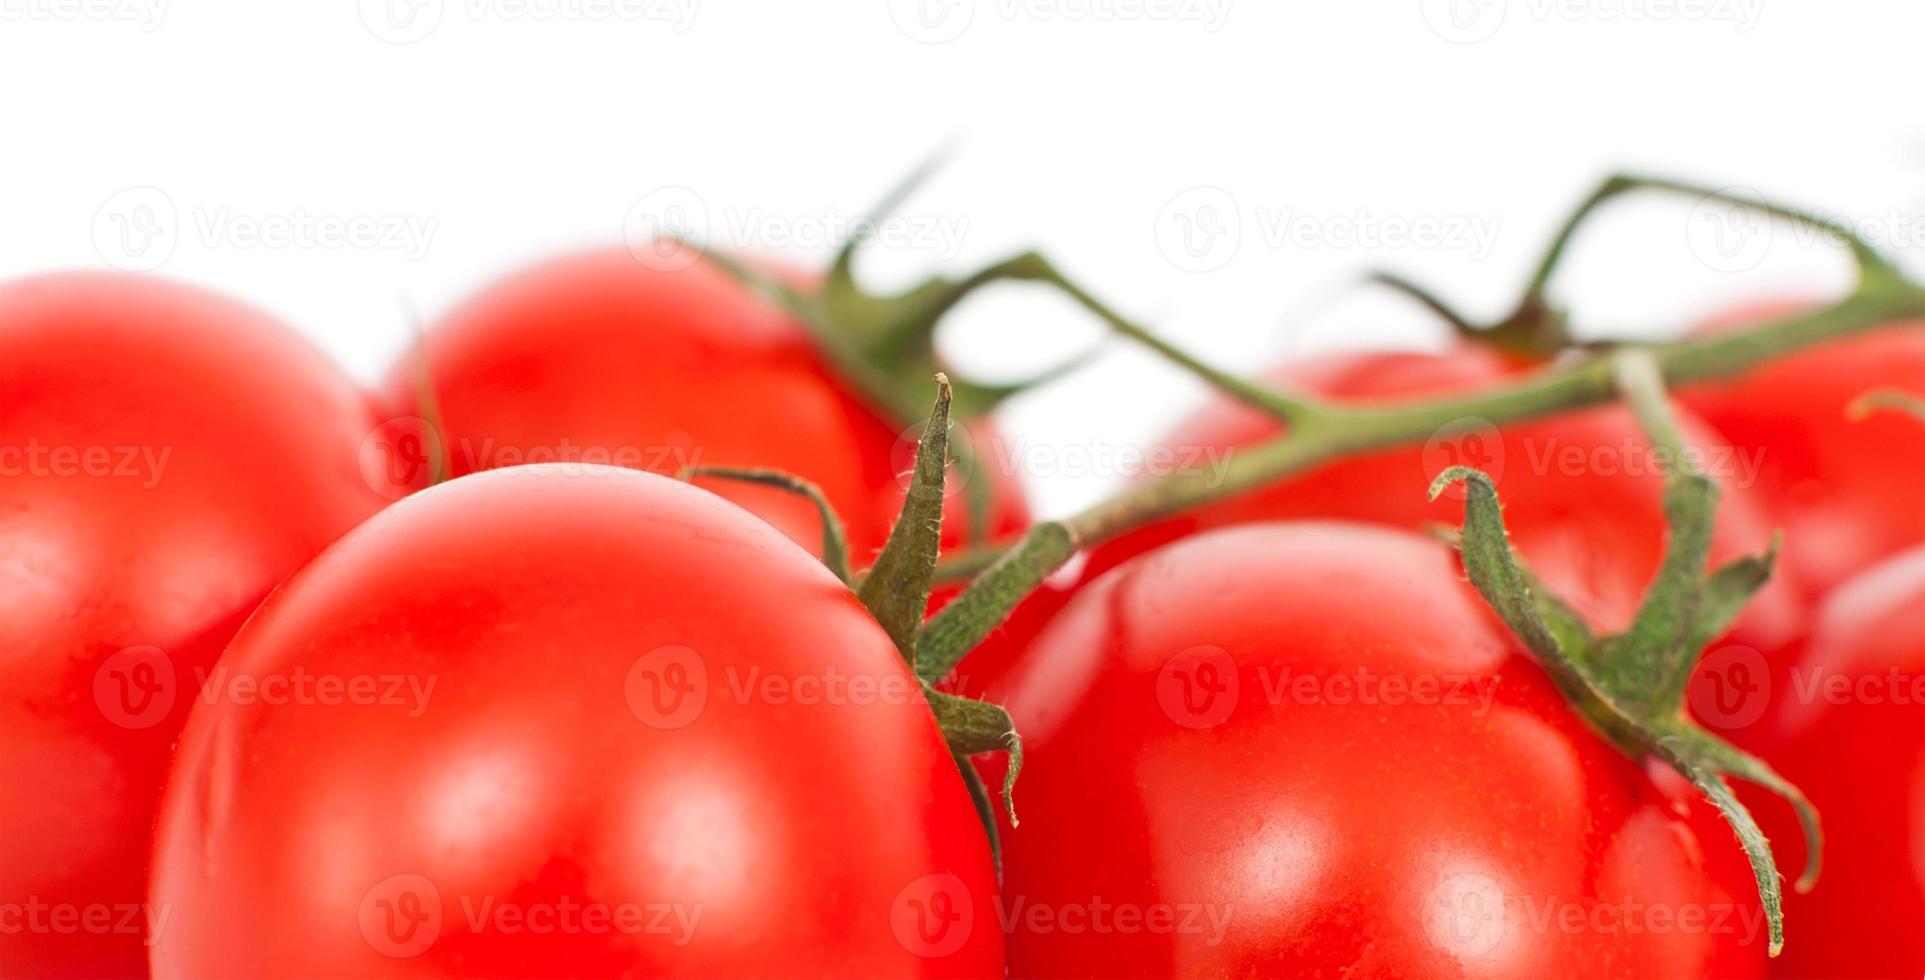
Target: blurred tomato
1846, 492
1850, 730
658, 365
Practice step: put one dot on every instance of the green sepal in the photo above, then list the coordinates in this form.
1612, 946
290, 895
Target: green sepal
972, 727
985, 807
1609, 683
896, 587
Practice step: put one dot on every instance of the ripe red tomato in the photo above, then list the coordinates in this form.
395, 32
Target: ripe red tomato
608, 725
167, 457
1310, 750
1850, 730
1582, 496
1846, 492
598, 357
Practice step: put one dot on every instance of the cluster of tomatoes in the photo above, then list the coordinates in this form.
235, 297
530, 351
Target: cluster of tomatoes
276, 698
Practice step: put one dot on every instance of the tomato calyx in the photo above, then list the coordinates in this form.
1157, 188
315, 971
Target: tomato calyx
895, 590
1630, 686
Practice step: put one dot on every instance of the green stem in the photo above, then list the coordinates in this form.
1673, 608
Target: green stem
835, 540
1870, 263
1321, 433
1032, 267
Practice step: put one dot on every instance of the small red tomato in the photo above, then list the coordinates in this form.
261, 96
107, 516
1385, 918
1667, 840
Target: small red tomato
1310, 750
1847, 492
568, 721
166, 457
601, 358
1850, 730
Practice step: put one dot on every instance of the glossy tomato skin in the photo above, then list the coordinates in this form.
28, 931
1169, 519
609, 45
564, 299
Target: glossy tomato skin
659, 365
1846, 492
1850, 731
166, 457
1309, 750
635, 711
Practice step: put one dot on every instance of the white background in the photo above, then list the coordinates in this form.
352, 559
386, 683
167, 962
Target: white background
1292, 142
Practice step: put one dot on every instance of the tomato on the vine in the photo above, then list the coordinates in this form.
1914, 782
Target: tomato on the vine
660, 365
1309, 749
607, 724
1849, 728
1583, 492
1845, 490
166, 457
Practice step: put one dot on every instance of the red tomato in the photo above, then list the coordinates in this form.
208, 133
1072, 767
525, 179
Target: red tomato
1310, 750
1582, 497
608, 725
1847, 493
598, 357
1851, 731
167, 457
